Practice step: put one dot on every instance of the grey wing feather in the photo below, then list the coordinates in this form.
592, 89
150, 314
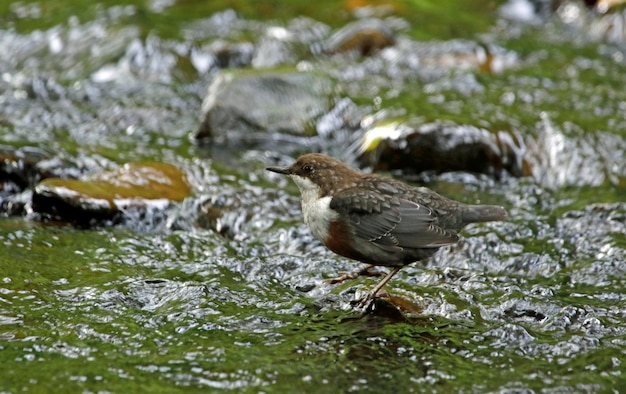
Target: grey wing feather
392, 223
419, 227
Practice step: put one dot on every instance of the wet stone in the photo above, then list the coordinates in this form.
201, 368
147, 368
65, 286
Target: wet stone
19, 167
223, 214
247, 107
221, 54
440, 147
20, 170
104, 197
232, 55
364, 37
231, 211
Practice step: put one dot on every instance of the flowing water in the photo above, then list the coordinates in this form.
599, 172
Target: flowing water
225, 290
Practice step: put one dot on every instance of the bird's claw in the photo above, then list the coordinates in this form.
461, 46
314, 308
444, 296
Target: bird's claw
365, 303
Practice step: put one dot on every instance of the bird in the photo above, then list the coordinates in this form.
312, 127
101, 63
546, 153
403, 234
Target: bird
376, 219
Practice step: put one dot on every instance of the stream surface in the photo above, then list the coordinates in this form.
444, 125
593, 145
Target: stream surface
225, 290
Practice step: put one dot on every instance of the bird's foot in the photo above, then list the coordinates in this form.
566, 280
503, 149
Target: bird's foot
365, 271
365, 303
368, 302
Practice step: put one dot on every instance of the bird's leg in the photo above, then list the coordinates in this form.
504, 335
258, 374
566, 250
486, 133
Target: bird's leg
383, 282
365, 271
365, 301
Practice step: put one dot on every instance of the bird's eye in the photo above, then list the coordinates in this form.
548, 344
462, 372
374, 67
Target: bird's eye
307, 168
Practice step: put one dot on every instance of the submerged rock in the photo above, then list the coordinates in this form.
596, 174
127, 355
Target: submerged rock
440, 147
232, 55
104, 197
19, 167
247, 106
232, 212
222, 54
364, 37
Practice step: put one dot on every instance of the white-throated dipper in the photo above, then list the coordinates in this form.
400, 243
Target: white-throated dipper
376, 219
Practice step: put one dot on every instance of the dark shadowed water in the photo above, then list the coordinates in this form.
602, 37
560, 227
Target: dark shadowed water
225, 290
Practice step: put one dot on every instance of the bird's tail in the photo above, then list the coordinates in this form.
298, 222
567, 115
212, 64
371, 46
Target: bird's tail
482, 213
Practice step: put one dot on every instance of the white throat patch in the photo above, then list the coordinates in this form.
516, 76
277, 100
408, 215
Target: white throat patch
316, 211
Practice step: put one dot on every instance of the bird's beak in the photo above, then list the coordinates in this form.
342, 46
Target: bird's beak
279, 170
